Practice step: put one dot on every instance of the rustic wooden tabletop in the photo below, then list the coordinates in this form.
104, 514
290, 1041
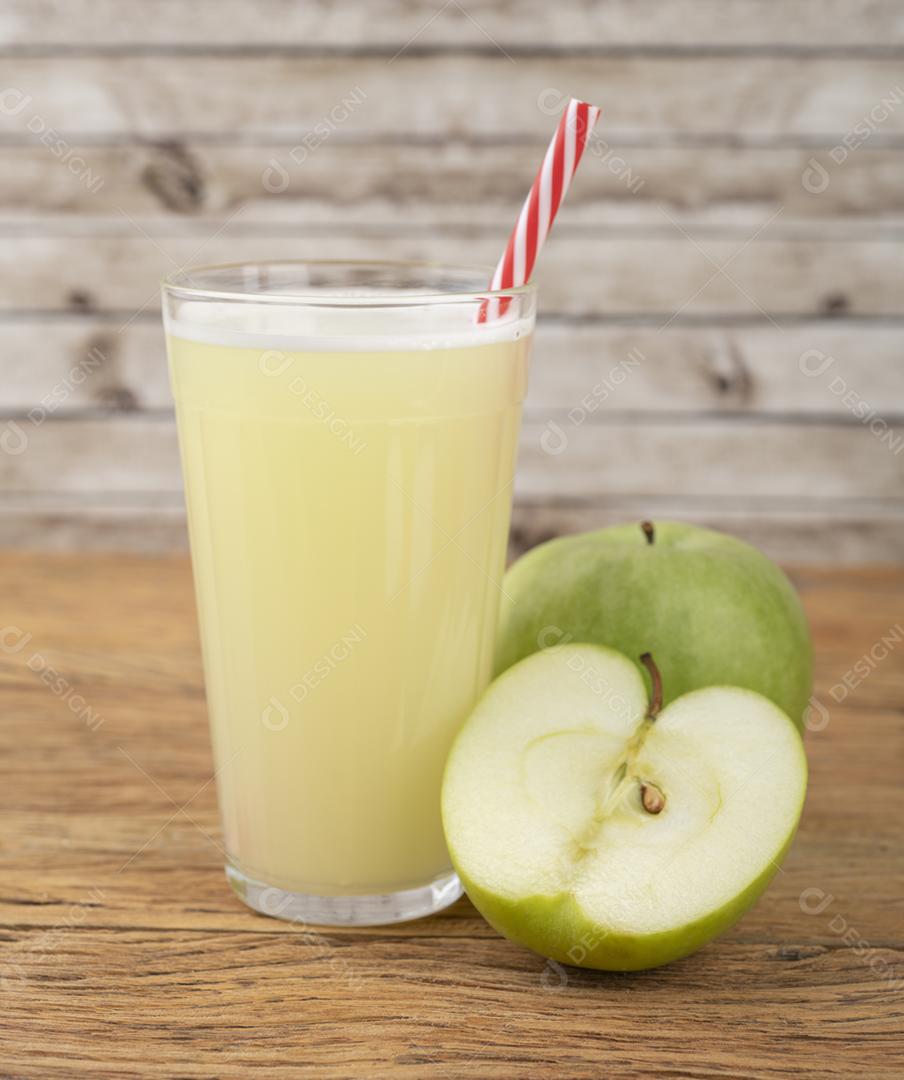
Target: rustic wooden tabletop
123, 952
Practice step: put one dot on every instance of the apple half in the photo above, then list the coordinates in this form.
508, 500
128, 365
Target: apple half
597, 830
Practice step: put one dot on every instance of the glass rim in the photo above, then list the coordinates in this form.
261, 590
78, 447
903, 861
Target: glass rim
178, 284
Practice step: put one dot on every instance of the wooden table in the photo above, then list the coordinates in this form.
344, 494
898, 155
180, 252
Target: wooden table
123, 952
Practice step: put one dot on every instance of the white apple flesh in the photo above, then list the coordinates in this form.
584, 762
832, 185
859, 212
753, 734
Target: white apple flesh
598, 833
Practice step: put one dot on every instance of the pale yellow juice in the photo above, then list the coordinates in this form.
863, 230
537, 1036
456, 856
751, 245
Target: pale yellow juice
348, 503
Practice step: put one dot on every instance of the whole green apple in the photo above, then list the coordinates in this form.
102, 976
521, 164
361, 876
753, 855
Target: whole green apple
712, 609
606, 831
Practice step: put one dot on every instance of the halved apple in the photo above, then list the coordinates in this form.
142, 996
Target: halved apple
594, 828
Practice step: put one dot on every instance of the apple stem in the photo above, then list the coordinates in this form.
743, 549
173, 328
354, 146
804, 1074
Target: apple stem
648, 531
656, 680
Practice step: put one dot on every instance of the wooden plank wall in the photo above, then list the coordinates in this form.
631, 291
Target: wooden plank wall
736, 230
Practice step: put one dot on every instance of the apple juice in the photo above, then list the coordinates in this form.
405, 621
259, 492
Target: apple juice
347, 480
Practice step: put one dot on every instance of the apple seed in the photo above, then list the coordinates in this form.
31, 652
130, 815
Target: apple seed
651, 797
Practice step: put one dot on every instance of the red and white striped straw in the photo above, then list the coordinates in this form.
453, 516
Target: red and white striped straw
542, 203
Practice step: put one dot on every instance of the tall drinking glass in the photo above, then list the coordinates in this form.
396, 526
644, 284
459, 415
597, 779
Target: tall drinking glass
348, 435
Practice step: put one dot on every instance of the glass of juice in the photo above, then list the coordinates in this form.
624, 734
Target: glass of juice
348, 436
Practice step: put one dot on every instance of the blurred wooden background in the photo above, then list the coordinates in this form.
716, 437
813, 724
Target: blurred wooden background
722, 302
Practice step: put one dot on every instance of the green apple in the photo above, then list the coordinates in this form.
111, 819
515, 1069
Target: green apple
711, 609
592, 827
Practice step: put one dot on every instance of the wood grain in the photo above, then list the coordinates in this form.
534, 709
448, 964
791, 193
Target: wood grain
766, 97
792, 530
718, 424
462, 181
718, 117
657, 274
598, 457
91, 362
123, 953
387, 24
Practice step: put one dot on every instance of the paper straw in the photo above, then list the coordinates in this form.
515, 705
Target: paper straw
542, 203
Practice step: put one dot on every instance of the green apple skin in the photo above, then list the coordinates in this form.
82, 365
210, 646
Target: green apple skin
712, 609
556, 928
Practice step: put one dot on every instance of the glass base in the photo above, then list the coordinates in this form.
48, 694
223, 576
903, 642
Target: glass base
374, 910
